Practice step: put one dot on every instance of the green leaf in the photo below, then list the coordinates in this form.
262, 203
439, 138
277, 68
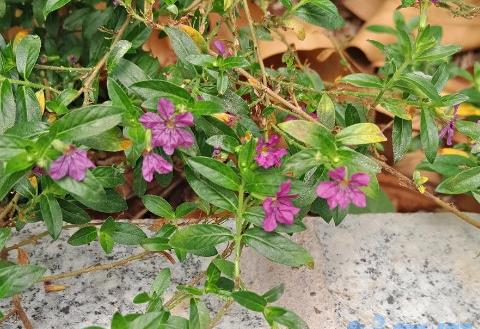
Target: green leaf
72, 213
141, 298
182, 44
160, 88
322, 13
255, 216
158, 206
11, 146
86, 122
263, 182
52, 5
16, 278
28, 108
215, 171
439, 52
117, 52
147, 321
301, 162
111, 140
185, 209
401, 137
109, 202
108, 176
126, 233
51, 214
225, 266
85, 235
277, 248
205, 108
155, 244
469, 128
89, 188
7, 106
198, 236
199, 315
246, 154
119, 321
274, 294
361, 133
429, 134
224, 142
465, 181
284, 317
311, 134
326, 112
420, 84
161, 282
7, 181
26, 54
118, 96
363, 80
250, 300
4, 234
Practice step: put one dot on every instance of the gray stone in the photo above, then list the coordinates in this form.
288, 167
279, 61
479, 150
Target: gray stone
416, 268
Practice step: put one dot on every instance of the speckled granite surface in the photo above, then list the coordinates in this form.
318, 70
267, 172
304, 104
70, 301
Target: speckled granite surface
419, 268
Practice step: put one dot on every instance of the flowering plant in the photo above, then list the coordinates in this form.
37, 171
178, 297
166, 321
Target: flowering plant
260, 147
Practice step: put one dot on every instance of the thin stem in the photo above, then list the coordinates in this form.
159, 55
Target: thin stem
87, 85
63, 68
22, 315
238, 233
30, 84
221, 312
255, 41
409, 184
95, 268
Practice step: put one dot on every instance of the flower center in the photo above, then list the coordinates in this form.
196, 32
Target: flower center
344, 183
170, 124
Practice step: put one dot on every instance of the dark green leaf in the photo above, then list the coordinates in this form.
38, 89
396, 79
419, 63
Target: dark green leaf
465, 181
4, 234
26, 54
200, 235
162, 282
72, 213
363, 80
322, 13
158, 206
401, 137
274, 294
250, 300
85, 235
127, 234
51, 214
109, 202
52, 5
215, 171
429, 134
7, 106
277, 248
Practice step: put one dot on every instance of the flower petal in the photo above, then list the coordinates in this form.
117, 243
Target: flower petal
337, 174
184, 120
359, 179
166, 108
151, 120
358, 198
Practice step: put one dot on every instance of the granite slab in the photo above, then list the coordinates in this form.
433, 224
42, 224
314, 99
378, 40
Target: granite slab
406, 268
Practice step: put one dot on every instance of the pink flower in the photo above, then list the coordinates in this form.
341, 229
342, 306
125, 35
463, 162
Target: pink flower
153, 162
268, 154
449, 129
168, 129
74, 163
279, 209
220, 48
341, 191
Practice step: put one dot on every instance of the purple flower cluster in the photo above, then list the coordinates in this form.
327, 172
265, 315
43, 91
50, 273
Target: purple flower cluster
74, 163
220, 48
449, 129
280, 208
268, 153
168, 129
342, 191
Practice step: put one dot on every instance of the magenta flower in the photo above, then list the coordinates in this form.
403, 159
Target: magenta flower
279, 209
153, 162
449, 129
74, 163
341, 191
168, 129
220, 48
268, 154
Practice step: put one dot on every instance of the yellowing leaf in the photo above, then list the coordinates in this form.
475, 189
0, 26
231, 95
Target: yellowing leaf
452, 151
33, 180
466, 109
19, 36
125, 144
196, 37
41, 100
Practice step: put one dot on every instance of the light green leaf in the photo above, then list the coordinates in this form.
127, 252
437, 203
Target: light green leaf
361, 133
7, 106
322, 13
465, 181
363, 80
118, 51
85, 235
16, 278
158, 206
326, 112
250, 300
311, 134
